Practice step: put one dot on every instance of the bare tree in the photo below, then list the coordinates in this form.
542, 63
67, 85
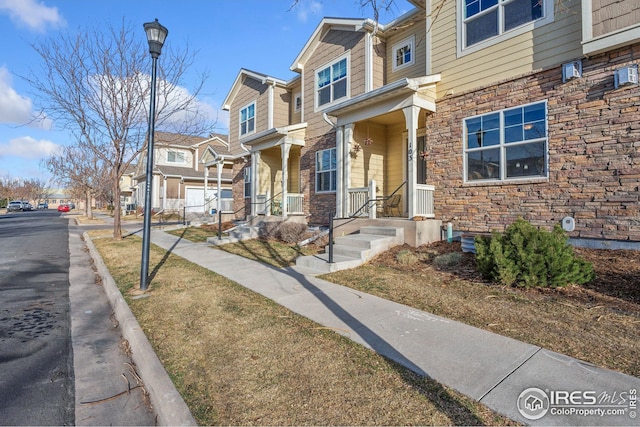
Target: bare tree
96, 85
82, 172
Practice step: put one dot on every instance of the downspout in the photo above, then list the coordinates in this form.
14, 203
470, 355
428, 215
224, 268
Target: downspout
340, 160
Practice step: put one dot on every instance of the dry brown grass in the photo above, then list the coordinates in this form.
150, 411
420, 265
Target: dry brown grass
270, 251
240, 359
598, 323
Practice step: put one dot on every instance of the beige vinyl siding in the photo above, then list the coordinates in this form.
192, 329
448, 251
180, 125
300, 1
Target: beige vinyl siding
295, 117
370, 161
379, 63
612, 15
419, 66
294, 169
172, 188
395, 158
270, 172
281, 102
546, 46
334, 44
251, 90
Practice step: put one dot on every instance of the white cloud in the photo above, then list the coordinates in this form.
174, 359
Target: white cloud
32, 14
304, 9
27, 147
15, 108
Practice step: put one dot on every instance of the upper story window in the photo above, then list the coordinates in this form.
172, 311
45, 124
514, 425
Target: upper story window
297, 100
487, 19
248, 119
507, 144
326, 170
403, 53
332, 82
176, 157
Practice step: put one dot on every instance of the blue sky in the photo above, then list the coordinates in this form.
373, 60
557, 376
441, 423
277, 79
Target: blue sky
261, 35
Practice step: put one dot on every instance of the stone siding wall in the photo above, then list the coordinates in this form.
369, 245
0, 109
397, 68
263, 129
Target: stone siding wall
317, 205
594, 154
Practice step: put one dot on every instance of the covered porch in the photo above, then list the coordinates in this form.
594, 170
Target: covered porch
275, 172
381, 152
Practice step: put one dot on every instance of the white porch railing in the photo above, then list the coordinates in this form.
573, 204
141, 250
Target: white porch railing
357, 198
173, 204
295, 203
424, 201
261, 204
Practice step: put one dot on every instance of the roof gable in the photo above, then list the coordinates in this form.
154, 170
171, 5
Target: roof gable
240, 78
326, 25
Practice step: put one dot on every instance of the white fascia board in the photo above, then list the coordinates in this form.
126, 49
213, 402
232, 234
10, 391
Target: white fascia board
347, 24
263, 78
611, 41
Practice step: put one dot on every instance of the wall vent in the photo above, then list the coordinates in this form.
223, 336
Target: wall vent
571, 70
626, 76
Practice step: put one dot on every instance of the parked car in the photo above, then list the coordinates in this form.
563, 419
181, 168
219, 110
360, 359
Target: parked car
71, 205
63, 208
43, 205
26, 206
14, 206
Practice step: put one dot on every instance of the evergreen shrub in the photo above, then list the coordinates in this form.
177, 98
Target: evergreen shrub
526, 256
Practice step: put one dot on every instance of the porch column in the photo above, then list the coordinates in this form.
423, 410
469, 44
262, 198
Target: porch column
341, 187
285, 148
346, 147
206, 184
411, 118
255, 159
164, 193
219, 165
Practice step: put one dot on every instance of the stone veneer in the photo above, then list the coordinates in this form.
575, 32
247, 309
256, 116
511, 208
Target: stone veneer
319, 206
594, 158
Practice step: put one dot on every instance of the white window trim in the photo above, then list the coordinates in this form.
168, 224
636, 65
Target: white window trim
502, 146
297, 108
325, 171
317, 108
184, 157
549, 15
411, 41
255, 113
246, 173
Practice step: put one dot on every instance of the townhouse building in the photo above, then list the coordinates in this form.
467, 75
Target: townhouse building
191, 174
474, 112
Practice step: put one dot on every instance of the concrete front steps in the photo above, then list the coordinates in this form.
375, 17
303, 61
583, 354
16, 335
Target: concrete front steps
352, 250
236, 234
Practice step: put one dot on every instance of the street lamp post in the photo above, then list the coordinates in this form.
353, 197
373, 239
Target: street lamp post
156, 35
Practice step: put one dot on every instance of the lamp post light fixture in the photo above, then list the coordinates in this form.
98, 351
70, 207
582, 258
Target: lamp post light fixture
156, 35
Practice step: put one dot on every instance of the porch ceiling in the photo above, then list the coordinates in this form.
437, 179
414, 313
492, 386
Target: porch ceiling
383, 105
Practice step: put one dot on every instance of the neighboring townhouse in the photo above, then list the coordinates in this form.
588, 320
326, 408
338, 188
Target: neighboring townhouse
469, 112
128, 189
183, 180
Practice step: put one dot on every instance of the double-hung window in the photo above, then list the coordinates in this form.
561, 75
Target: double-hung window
247, 181
326, 170
332, 82
248, 119
403, 53
485, 19
508, 144
175, 157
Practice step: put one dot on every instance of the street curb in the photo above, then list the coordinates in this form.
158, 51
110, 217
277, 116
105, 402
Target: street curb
167, 403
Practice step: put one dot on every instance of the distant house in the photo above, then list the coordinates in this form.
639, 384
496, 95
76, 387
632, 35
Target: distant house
182, 177
474, 113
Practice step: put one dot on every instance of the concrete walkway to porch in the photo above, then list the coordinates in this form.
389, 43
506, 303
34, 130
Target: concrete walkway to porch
499, 372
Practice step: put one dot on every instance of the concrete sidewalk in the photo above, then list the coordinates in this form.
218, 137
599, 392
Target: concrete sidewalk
522, 381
